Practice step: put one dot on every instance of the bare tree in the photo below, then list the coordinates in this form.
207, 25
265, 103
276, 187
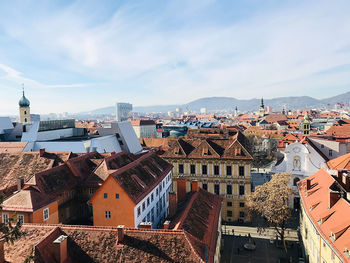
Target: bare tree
270, 201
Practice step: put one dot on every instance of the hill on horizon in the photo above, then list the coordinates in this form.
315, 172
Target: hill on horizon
229, 104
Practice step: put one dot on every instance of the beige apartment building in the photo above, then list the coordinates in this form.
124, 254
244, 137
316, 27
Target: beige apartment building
220, 164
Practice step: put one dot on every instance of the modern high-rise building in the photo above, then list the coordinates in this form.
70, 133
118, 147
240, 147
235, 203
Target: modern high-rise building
123, 111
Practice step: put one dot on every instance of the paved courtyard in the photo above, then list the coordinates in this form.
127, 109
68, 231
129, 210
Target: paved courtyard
266, 251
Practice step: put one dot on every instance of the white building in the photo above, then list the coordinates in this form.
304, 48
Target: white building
300, 160
123, 111
144, 128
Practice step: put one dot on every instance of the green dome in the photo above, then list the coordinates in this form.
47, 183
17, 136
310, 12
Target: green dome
24, 102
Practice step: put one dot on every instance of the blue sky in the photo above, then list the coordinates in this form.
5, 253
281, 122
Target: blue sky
81, 55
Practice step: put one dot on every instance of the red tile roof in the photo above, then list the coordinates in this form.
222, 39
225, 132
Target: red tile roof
12, 147
200, 220
140, 177
100, 244
141, 122
342, 162
327, 220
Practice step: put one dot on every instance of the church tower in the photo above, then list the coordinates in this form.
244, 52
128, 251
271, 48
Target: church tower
262, 109
24, 109
306, 125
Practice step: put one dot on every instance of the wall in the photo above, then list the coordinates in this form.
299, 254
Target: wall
164, 193
38, 216
222, 180
122, 209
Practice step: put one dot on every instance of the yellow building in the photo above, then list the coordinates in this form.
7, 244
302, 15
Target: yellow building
24, 109
220, 164
324, 218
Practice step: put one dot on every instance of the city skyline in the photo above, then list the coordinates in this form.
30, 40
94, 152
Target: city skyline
78, 56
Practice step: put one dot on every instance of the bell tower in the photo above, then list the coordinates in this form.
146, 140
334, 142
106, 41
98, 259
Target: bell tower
262, 109
24, 109
306, 125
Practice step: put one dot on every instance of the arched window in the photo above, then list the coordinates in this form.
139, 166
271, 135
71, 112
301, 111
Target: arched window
25, 112
296, 179
25, 119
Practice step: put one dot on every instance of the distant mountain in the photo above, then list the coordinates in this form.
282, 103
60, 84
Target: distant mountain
229, 104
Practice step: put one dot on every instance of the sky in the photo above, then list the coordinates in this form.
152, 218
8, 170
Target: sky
75, 56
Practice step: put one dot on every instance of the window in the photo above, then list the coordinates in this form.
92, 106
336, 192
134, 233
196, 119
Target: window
205, 187
152, 197
216, 169
5, 218
229, 213
105, 195
193, 169
118, 135
217, 189
116, 196
147, 201
91, 191
160, 188
25, 119
20, 219
46, 213
181, 168
322, 146
295, 181
229, 189
138, 211
229, 203
157, 192
143, 206
241, 171
228, 170
241, 190
241, 214
108, 214
25, 112
241, 204
204, 169
330, 152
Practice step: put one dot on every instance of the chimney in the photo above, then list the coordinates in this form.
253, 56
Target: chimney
194, 186
308, 184
60, 249
145, 225
42, 152
333, 198
20, 183
181, 189
172, 204
166, 224
121, 233
2, 251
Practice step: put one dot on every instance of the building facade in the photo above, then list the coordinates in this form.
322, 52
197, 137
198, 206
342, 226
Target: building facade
144, 128
123, 111
221, 166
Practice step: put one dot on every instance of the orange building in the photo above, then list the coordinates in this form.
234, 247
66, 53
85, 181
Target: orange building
138, 192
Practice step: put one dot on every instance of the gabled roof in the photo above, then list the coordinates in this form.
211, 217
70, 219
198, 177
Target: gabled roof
342, 162
140, 177
100, 244
14, 165
200, 221
331, 222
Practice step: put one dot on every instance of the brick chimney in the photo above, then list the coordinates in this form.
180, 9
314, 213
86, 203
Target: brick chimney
42, 152
60, 249
166, 224
145, 225
2, 251
194, 186
181, 189
333, 198
121, 233
20, 183
172, 204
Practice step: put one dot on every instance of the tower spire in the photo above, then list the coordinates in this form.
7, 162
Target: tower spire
23, 89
